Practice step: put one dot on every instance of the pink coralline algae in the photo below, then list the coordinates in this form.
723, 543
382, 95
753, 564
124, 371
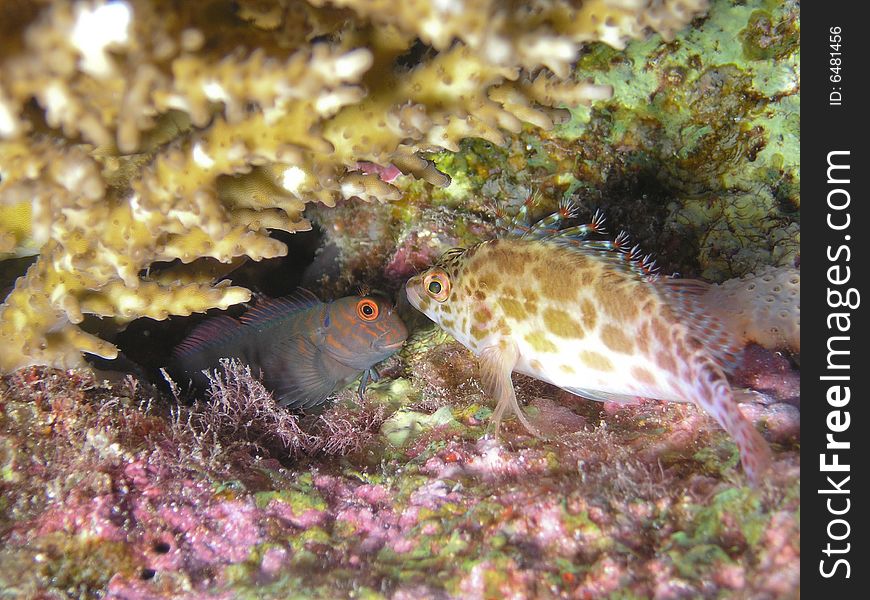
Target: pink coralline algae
111, 497
770, 373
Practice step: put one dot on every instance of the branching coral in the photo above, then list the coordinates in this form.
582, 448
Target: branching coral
528, 34
147, 131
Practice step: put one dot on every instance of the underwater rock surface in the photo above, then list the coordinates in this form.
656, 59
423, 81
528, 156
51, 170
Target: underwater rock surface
107, 495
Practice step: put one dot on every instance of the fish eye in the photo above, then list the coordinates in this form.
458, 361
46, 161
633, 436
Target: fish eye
367, 309
437, 285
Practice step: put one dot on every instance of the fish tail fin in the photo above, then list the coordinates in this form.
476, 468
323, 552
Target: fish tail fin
710, 390
762, 308
689, 300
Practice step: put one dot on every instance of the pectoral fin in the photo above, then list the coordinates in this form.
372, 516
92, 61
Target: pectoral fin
297, 374
496, 366
368, 375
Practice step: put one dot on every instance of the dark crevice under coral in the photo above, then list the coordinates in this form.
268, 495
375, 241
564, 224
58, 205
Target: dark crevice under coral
146, 344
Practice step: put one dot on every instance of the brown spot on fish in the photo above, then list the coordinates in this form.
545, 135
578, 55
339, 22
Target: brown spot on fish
643, 375
596, 361
588, 314
586, 277
616, 340
617, 302
648, 305
682, 352
482, 315
539, 342
567, 369
660, 331
666, 362
512, 308
555, 285
447, 323
643, 338
480, 295
478, 333
489, 281
506, 260
562, 324
536, 365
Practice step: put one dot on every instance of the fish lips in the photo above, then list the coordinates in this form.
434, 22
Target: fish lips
411, 291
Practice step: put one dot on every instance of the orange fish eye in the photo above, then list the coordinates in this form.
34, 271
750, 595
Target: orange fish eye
367, 309
437, 285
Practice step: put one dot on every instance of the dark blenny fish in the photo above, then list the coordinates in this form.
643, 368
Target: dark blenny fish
303, 348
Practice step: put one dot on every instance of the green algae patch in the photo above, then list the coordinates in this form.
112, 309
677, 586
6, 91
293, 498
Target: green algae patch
715, 122
71, 565
734, 517
9, 469
742, 504
311, 535
407, 425
299, 500
580, 522
697, 560
392, 393
720, 459
767, 39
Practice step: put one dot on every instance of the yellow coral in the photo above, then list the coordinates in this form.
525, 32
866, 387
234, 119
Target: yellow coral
137, 132
541, 33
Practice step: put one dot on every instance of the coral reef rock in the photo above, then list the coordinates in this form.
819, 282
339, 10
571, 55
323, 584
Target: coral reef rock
141, 132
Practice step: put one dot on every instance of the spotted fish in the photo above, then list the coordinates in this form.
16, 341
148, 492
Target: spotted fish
585, 315
303, 348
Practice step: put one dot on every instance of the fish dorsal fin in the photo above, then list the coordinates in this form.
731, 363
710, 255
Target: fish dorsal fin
270, 310
689, 300
619, 253
211, 331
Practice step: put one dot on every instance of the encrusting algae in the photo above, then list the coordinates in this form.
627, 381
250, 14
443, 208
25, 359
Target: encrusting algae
587, 316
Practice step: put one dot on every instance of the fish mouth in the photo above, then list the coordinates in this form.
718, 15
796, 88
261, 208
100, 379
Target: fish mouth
411, 293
